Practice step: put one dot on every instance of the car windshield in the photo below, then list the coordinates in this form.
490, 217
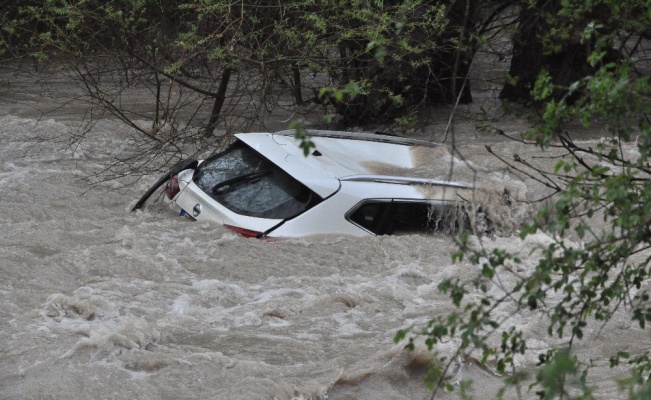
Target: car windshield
245, 182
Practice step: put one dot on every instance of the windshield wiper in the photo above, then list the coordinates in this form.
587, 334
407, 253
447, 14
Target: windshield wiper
223, 187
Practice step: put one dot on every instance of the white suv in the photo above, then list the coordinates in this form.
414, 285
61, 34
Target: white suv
263, 185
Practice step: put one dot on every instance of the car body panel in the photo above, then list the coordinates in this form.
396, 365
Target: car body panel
339, 156
331, 215
314, 172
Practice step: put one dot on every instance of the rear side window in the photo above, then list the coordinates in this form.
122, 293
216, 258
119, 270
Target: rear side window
407, 217
247, 183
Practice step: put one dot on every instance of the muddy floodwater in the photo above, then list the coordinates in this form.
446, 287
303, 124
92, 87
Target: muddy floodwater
100, 302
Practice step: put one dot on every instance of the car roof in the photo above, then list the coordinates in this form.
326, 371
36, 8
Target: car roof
347, 156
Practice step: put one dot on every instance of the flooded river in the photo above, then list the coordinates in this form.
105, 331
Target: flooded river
97, 301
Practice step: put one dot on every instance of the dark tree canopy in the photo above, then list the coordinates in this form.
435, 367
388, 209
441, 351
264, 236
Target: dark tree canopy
394, 57
551, 37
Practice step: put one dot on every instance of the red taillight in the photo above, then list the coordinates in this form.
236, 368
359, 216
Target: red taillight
172, 188
244, 232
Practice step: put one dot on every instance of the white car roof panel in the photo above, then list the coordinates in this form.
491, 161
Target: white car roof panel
341, 155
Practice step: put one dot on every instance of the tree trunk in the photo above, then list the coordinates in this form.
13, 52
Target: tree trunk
297, 84
220, 97
458, 88
528, 59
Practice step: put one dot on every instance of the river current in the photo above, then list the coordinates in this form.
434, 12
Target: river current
97, 301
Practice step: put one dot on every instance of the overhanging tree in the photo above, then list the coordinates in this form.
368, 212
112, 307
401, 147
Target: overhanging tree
587, 280
181, 72
218, 63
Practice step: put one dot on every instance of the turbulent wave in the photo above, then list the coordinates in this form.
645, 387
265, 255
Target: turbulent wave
98, 302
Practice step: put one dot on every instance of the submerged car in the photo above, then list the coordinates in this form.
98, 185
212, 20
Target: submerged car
358, 184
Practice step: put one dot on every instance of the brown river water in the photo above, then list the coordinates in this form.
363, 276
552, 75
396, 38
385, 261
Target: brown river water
100, 302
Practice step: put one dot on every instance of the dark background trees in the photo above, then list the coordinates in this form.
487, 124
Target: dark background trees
551, 37
396, 57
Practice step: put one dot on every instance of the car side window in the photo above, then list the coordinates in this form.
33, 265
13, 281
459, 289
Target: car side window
386, 217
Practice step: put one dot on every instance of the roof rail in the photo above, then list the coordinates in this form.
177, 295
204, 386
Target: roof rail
369, 137
403, 180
